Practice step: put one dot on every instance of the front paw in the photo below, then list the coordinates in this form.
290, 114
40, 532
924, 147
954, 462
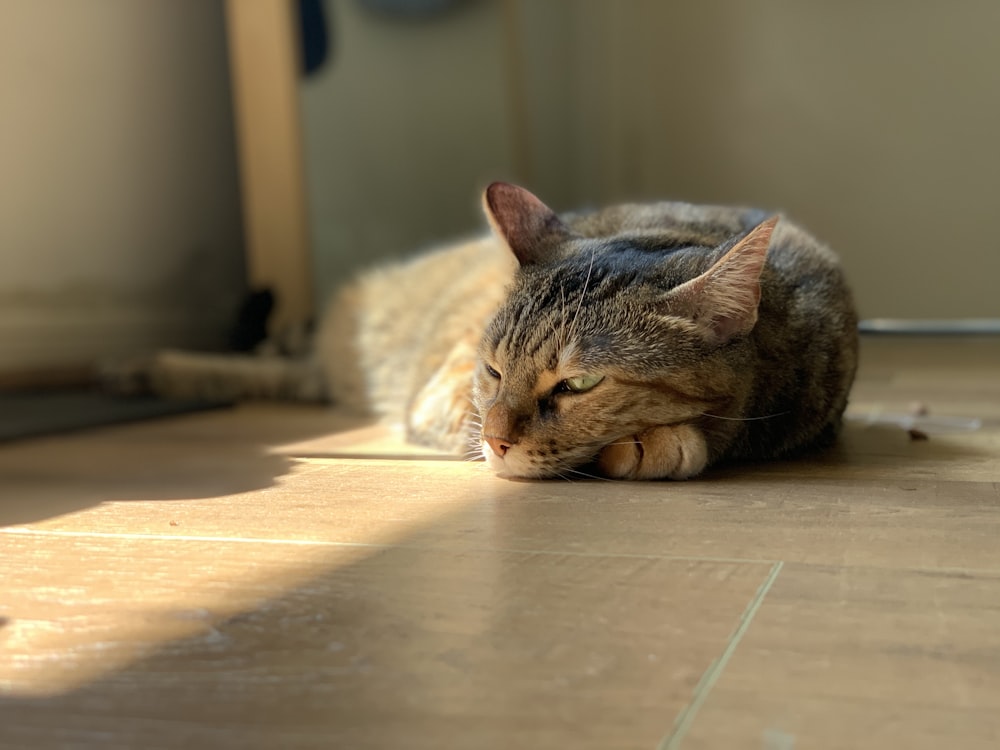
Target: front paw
440, 415
441, 418
664, 452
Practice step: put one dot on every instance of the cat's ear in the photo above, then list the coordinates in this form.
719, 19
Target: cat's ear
531, 229
724, 299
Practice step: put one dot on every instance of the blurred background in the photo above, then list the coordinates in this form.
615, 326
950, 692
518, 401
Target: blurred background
157, 159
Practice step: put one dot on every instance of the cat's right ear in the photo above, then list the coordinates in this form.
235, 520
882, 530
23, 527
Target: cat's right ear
723, 300
530, 229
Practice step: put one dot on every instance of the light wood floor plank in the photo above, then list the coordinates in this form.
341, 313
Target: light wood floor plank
862, 658
278, 576
797, 513
319, 647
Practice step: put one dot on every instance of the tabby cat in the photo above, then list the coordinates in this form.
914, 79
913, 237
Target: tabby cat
635, 342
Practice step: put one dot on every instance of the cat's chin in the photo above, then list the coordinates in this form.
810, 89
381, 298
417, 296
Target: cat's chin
495, 462
511, 467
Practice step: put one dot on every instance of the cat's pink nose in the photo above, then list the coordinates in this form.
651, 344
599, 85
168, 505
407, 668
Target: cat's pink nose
500, 446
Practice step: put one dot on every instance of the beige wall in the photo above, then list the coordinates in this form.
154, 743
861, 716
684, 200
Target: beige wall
403, 128
872, 123
119, 210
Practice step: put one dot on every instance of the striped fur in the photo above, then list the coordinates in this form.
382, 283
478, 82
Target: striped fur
701, 333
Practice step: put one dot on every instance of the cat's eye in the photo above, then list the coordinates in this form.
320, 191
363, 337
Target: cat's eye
580, 383
491, 372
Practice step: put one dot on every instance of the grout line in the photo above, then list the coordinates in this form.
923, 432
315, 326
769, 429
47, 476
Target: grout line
684, 720
185, 538
23, 531
640, 556
26, 531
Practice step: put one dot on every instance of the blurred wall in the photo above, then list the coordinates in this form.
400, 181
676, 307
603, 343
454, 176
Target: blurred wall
871, 123
404, 126
119, 206
874, 124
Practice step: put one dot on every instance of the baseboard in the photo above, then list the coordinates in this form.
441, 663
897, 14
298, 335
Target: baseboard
39, 338
931, 327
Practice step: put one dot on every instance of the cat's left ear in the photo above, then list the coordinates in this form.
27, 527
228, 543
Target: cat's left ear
531, 229
724, 299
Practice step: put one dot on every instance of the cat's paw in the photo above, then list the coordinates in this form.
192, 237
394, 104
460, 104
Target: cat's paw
440, 415
664, 452
440, 419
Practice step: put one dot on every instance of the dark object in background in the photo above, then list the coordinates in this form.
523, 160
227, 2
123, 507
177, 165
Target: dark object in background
251, 321
315, 35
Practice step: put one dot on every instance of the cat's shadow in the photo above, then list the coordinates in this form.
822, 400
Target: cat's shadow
874, 453
48, 477
185, 457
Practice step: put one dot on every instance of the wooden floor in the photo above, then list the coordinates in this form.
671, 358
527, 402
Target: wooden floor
262, 578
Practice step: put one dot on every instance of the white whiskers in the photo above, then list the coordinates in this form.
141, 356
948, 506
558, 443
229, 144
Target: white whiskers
745, 419
583, 293
473, 427
586, 475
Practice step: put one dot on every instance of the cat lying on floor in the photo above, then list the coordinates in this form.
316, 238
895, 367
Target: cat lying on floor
635, 342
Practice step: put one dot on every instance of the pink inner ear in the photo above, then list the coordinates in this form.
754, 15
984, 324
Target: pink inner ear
724, 299
526, 224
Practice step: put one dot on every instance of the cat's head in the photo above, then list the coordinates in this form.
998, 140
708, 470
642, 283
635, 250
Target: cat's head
600, 338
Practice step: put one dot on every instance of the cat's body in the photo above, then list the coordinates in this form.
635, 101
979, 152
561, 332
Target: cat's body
639, 341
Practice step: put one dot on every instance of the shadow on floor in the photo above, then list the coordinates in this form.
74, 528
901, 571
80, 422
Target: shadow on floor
186, 456
498, 623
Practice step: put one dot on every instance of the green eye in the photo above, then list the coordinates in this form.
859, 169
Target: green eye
580, 383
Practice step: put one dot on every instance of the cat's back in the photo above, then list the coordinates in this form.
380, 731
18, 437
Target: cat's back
801, 356
796, 261
384, 333
805, 345
677, 221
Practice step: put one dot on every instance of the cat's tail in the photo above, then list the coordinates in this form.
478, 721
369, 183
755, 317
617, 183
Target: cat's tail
219, 377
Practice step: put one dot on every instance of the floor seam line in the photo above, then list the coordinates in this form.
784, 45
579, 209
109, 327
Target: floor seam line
684, 720
21, 531
15, 531
24, 531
